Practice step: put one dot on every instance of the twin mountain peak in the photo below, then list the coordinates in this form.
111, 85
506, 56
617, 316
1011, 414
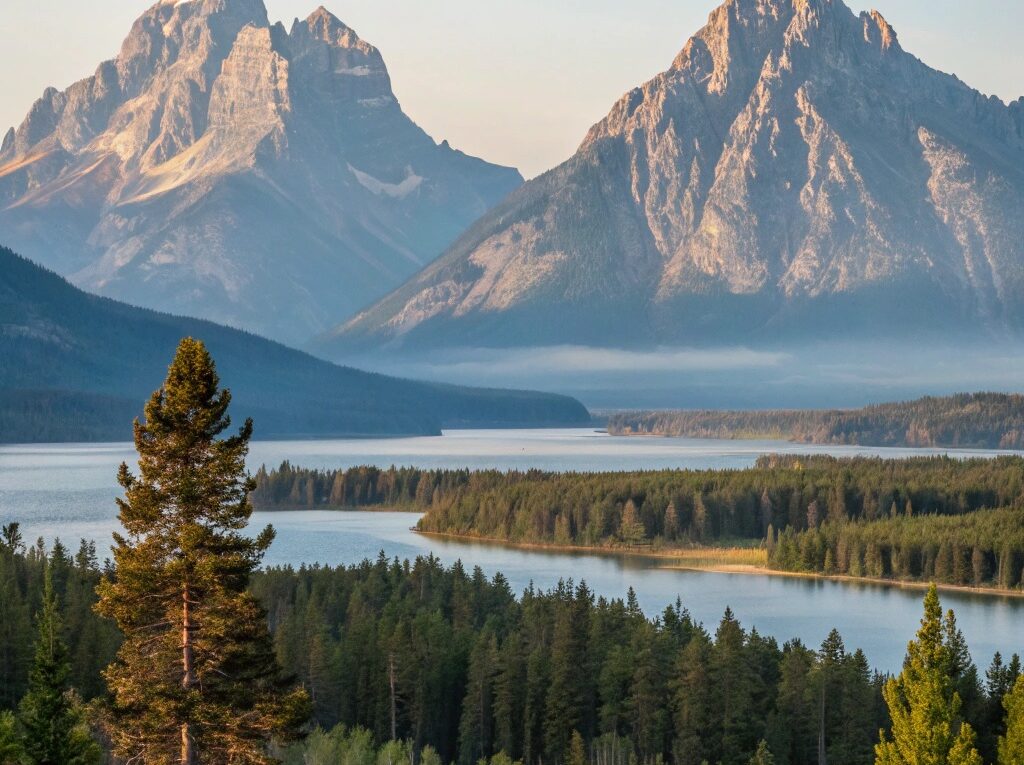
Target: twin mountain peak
794, 172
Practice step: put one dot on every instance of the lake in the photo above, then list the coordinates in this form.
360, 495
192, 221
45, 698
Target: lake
67, 491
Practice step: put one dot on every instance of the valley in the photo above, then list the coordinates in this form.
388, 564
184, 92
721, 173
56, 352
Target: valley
323, 442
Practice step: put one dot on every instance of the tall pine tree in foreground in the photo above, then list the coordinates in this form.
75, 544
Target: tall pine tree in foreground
50, 716
926, 725
196, 680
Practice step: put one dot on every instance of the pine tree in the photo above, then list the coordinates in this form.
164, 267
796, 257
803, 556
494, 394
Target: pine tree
699, 522
813, 514
11, 752
671, 530
577, 752
53, 731
568, 692
195, 680
632, 530
15, 627
476, 729
1011, 745
792, 730
999, 681
767, 511
851, 744
923, 704
509, 682
732, 681
647, 692
692, 702
11, 539
763, 755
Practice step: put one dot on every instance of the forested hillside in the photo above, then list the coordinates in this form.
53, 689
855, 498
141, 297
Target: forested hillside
966, 420
77, 368
457, 668
924, 518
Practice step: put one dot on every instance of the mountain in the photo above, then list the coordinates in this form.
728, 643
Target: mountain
794, 174
231, 169
79, 367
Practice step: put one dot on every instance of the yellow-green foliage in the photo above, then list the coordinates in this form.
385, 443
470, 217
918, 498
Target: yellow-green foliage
926, 725
1011, 746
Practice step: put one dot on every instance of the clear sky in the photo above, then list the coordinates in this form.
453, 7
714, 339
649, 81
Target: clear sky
514, 81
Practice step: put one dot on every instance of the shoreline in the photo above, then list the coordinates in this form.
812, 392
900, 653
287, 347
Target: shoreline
704, 555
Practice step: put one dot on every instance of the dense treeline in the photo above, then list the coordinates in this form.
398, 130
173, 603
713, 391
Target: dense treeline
52, 416
861, 516
984, 548
967, 420
289, 487
533, 505
92, 642
450, 666
450, 659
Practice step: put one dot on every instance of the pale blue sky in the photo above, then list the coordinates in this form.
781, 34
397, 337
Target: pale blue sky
515, 81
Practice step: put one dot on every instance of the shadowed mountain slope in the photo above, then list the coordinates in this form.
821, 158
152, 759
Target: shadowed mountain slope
77, 367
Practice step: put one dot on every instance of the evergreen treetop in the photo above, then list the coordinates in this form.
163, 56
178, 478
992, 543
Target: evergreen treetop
927, 728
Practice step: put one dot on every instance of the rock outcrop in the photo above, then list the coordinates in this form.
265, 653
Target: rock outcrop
231, 169
794, 173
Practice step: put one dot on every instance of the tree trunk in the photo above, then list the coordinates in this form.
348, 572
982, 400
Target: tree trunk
188, 755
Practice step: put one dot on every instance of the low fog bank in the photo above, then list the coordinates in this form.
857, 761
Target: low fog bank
816, 376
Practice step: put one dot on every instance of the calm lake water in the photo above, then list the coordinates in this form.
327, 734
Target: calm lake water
67, 491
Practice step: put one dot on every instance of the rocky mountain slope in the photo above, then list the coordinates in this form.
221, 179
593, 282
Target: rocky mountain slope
77, 367
794, 173
231, 169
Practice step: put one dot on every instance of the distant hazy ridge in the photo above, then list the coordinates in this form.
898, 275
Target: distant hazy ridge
967, 420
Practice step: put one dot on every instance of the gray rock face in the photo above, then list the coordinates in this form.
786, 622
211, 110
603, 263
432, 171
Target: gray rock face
795, 172
240, 172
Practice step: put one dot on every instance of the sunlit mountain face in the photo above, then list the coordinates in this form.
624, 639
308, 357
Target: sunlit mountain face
228, 168
794, 175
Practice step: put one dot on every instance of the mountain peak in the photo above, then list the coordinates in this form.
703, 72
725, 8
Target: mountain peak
326, 27
321, 12
877, 29
325, 19
179, 157
794, 172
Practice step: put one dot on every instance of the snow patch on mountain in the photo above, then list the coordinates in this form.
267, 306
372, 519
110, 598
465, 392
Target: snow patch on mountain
383, 188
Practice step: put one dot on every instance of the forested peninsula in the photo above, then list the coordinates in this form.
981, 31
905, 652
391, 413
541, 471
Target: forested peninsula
966, 420
953, 521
